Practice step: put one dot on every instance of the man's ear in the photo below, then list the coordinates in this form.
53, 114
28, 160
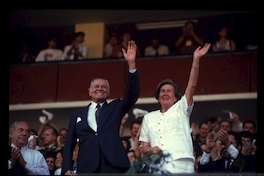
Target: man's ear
89, 92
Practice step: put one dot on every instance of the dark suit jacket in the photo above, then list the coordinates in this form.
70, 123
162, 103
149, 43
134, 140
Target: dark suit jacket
246, 164
217, 166
107, 138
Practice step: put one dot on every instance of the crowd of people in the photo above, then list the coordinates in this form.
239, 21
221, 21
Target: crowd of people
185, 43
215, 141
94, 140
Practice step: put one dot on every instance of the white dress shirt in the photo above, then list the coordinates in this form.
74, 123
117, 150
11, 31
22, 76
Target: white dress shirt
162, 50
170, 130
81, 48
35, 161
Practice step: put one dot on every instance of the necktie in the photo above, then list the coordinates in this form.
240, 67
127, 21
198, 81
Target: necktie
97, 112
157, 52
228, 165
75, 55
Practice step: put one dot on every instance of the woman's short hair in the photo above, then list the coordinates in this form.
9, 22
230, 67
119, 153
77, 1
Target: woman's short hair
177, 89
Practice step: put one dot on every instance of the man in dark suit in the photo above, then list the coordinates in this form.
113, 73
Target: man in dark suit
227, 157
100, 146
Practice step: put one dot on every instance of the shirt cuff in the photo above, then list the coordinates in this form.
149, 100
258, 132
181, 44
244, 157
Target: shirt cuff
233, 151
132, 71
205, 158
9, 164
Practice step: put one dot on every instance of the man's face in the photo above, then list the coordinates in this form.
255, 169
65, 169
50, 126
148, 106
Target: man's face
204, 130
48, 138
249, 127
63, 135
131, 156
134, 129
224, 126
99, 90
20, 135
50, 162
80, 39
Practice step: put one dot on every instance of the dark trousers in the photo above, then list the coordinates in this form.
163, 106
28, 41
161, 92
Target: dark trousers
106, 167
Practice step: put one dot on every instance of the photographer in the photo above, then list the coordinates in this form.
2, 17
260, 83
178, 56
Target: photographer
189, 40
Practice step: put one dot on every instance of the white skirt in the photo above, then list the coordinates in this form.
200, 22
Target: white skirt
183, 165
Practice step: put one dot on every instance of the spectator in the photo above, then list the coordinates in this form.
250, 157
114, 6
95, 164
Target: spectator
76, 50
131, 157
33, 141
126, 143
228, 150
200, 138
246, 151
223, 42
251, 126
125, 38
49, 136
24, 56
156, 48
225, 124
134, 128
74, 157
113, 48
50, 160
46, 122
58, 162
21, 159
189, 40
51, 53
61, 138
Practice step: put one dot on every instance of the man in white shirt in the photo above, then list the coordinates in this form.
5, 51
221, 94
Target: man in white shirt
51, 53
76, 50
24, 160
156, 48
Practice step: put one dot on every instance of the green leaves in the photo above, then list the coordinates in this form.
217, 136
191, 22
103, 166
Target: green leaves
148, 164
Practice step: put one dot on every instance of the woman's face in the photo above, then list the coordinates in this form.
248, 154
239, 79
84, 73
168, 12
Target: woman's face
223, 32
167, 95
58, 160
75, 152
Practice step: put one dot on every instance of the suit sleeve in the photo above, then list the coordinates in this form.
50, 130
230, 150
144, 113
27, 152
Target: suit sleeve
70, 143
132, 91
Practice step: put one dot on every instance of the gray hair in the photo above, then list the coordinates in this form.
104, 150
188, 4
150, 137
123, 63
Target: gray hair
107, 83
14, 126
